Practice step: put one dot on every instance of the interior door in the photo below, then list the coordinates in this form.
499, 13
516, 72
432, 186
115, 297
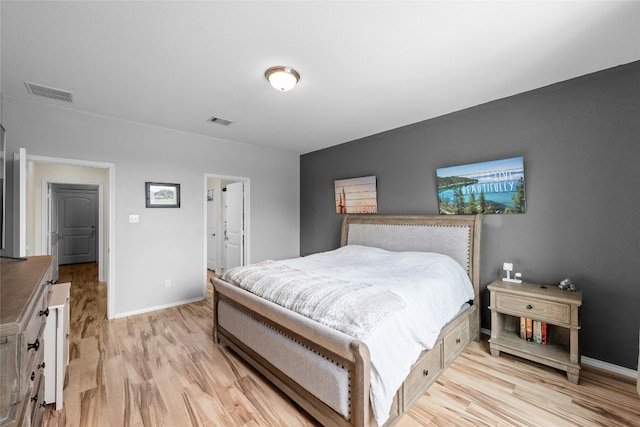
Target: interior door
77, 222
212, 230
234, 225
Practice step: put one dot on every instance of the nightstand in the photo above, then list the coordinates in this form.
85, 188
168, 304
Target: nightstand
556, 307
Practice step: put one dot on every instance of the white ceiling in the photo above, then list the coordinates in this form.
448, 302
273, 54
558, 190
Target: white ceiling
365, 67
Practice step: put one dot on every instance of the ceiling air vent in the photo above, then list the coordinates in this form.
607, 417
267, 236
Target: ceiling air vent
219, 121
49, 92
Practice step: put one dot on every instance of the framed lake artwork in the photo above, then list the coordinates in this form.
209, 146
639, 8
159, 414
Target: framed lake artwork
356, 195
494, 187
162, 195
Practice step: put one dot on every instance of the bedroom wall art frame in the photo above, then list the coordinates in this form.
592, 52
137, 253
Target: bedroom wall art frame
493, 187
356, 195
162, 195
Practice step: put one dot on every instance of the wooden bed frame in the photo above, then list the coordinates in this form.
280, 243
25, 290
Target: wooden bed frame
241, 320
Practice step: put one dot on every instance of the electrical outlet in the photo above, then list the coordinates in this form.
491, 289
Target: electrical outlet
167, 283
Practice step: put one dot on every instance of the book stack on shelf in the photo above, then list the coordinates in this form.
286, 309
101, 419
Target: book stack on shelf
533, 330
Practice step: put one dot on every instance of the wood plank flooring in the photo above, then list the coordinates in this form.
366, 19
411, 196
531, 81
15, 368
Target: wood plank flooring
163, 369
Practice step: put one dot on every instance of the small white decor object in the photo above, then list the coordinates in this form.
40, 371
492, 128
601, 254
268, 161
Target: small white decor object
508, 267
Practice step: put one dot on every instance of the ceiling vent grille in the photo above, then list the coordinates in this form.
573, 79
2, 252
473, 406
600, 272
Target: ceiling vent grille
219, 121
49, 92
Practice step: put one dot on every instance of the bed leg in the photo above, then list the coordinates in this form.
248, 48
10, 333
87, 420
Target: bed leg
360, 384
216, 338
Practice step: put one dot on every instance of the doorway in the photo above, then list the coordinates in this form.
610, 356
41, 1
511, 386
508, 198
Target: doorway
46, 171
226, 222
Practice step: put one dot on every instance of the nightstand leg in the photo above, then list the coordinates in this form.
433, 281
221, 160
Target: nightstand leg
574, 353
496, 324
573, 378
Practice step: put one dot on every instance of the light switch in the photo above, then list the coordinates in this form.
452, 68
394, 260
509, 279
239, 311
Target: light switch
134, 219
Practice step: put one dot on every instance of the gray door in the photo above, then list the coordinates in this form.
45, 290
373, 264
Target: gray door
77, 223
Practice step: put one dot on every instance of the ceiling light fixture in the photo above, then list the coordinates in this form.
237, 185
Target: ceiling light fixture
282, 78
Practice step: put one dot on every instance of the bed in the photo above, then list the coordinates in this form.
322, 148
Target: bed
338, 379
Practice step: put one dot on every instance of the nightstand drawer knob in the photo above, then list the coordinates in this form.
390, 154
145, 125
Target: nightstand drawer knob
529, 306
425, 372
457, 340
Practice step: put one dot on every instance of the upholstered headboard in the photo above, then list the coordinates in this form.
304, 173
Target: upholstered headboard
456, 236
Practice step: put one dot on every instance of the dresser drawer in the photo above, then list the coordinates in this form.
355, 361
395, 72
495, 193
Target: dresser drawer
36, 369
36, 321
535, 308
35, 404
31, 350
455, 341
9, 379
424, 372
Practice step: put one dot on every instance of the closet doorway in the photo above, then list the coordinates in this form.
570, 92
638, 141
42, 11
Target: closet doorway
227, 223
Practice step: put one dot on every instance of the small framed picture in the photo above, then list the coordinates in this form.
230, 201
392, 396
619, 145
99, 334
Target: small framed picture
162, 195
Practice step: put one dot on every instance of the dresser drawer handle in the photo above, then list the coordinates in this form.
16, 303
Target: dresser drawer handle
33, 375
44, 312
41, 366
529, 306
48, 282
425, 372
42, 405
35, 345
34, 398
457, 340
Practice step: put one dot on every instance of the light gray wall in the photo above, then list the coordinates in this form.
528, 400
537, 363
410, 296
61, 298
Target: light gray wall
581, 145
167, 243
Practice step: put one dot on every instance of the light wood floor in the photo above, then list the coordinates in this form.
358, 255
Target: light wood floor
163, 369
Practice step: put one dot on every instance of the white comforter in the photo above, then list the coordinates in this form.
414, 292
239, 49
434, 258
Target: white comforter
434, 287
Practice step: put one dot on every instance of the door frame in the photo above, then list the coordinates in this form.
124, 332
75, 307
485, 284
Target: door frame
106, 275
46, 219
208, 211
247, 220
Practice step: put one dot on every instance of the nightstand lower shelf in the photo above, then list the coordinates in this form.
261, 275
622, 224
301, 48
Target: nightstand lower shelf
554, 355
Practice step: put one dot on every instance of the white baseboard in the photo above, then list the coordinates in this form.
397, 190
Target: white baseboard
609, 367
595, 363
159, 307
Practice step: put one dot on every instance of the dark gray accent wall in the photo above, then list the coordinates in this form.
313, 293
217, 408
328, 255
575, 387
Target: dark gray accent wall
580, 140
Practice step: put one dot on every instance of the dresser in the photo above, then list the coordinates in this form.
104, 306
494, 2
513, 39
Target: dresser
24, 297
556, 308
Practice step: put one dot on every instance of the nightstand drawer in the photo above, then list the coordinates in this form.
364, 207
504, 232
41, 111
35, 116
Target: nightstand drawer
534, 308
